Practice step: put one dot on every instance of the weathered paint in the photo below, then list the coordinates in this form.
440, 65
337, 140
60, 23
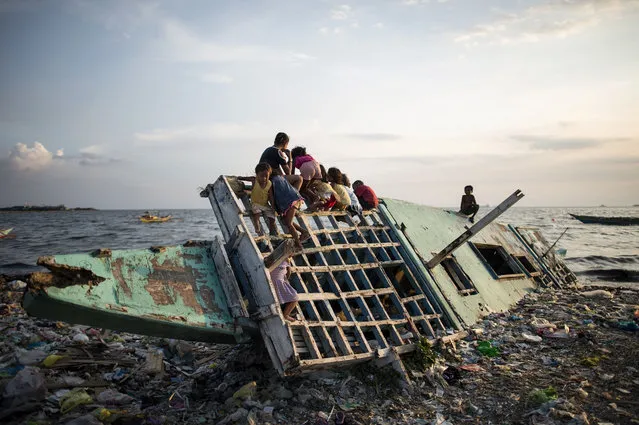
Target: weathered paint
175, 290
430, 229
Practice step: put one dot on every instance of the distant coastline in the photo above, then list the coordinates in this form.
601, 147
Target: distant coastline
41, 208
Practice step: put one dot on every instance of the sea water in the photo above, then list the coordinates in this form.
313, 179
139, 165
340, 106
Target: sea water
594, 252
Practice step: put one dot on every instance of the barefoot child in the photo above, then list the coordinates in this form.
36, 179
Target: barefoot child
309, 169
287, 202
468, 204
285, 292
261, 197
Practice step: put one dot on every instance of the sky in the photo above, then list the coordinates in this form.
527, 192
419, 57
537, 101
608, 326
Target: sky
136, 104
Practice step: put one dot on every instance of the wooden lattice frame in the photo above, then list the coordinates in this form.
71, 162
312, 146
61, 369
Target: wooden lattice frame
359, 299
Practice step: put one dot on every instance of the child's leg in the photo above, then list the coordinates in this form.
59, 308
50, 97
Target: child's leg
288, 309
272, 226
255, 217
295, 181
288, 220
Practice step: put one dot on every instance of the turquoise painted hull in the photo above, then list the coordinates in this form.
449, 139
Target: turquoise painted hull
172, 292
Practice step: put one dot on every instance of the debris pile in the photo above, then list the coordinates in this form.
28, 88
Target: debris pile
559, 357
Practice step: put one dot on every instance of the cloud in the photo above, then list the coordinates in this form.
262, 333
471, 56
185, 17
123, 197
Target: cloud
378, 25
36, 158
180, 44
216, 78
552, 19
341, 13
376, 137
555, 143
210, 132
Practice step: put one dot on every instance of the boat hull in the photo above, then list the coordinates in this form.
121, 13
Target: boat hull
173, 292
611, 221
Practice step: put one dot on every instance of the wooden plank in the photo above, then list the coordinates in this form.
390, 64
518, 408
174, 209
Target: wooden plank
348, 246
347, 267
476, 228
227, 279
279, 255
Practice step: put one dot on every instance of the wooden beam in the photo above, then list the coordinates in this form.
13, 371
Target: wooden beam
476, 228
279, 254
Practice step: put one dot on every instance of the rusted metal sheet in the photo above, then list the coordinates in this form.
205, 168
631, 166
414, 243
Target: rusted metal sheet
172, 291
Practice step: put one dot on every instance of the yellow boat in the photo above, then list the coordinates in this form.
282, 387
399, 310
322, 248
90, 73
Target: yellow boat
154, 219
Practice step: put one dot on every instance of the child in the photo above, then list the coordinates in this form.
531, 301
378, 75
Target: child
337, 183
366, 195
356, 207
309, 169
287, 202
468, 204
261, 197
326, 196
285, 292
278, 157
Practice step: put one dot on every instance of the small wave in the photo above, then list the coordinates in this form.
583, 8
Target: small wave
602, 259
77, 238
614, 275
14, 269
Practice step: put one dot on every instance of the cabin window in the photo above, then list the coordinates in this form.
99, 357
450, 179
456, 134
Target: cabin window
526, 264
458, 276
497, 260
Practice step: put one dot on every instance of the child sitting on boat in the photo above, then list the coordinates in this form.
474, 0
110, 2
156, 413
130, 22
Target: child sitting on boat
326, 196
287, 202
286, 294
262, 199
309, 169
366, 195
336, 180
468, 204
356, 207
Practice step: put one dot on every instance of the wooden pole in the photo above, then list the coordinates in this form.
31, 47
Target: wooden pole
485, 221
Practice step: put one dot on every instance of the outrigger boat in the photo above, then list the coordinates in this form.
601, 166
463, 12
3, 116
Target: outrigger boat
5, 233
613, 221
368, 290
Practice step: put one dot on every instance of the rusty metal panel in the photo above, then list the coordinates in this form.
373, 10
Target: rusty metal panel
430, 229
163, 291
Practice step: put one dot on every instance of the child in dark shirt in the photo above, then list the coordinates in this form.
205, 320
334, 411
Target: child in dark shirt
468, 204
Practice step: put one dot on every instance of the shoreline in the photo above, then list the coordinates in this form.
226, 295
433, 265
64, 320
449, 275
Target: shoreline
587, 374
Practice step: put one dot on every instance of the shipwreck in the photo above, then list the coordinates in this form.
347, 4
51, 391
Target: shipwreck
370, 287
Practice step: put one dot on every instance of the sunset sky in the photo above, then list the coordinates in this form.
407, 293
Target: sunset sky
134, 104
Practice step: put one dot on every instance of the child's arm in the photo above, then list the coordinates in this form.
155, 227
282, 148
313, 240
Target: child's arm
472, 200
271, 200
288, 272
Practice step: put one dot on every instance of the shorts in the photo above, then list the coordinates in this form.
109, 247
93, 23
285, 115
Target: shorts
310, 170
259, 209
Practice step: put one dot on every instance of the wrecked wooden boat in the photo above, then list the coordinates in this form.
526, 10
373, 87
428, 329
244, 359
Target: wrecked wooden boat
368, 290
612, 221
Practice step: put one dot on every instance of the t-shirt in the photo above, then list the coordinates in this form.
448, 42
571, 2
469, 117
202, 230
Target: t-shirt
301, 160
259, 194
342, 194
367, 197
275, 158
354, 201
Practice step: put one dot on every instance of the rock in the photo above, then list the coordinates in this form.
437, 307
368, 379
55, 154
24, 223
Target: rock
27, 385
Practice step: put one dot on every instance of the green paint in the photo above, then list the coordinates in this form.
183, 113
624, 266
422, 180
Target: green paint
429, 230
174, 293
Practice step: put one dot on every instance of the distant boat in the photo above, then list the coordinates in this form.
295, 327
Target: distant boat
614, 221
154, 219
4, 233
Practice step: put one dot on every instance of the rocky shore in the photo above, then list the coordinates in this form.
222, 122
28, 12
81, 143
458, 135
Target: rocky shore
558, 357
